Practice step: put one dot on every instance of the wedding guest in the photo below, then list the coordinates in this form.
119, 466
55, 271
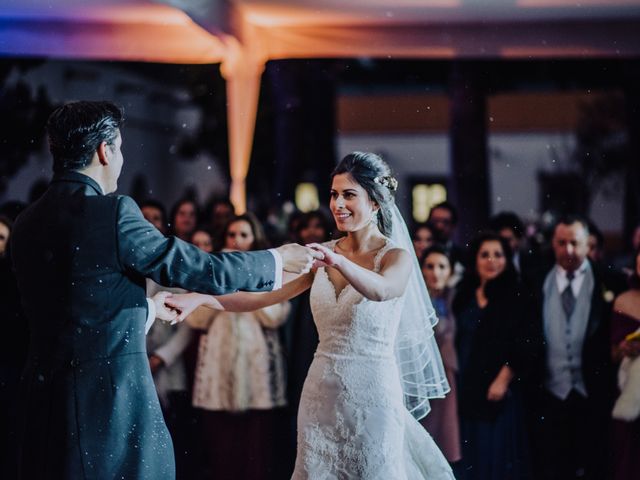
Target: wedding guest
203, 239
240, 377
422, 237
595, 243
442, 422
615, 278
492, 327
154, 212
626, 432
509, 226
573, 380
184, 218
632, 243
5, 231
217, 214
443, 217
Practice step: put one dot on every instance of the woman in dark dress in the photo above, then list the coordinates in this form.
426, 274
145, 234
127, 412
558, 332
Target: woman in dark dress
626, 320
492, 325
443, 422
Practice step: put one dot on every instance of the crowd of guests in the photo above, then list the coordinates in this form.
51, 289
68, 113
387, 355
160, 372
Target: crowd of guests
536, 337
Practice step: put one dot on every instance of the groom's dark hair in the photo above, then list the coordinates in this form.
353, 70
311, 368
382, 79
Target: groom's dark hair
77, 129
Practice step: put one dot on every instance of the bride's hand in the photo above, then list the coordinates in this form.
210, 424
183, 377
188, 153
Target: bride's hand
331, 258
162, 311
186, 303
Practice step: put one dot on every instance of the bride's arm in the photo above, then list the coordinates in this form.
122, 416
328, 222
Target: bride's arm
239, 301
391, 282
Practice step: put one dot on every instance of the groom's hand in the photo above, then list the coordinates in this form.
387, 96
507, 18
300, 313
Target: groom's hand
298, 259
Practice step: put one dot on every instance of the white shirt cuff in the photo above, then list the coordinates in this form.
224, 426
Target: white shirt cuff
151, 315
277, 283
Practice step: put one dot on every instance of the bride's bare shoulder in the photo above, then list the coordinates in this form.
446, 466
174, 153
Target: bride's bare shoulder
395, 256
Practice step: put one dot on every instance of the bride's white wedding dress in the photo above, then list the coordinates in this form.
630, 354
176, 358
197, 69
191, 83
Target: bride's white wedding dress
352, 423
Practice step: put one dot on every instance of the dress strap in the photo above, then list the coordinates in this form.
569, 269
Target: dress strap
331, 243
378, 258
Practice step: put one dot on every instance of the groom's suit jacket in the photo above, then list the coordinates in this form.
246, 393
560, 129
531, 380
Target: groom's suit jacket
89, 406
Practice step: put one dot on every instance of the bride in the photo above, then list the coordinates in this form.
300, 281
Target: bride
376, 364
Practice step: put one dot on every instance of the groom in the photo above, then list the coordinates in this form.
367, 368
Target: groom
89, 406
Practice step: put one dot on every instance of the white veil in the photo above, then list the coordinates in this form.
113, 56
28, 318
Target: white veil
422, 374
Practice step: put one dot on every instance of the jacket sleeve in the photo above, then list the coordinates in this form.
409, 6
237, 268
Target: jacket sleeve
172, 262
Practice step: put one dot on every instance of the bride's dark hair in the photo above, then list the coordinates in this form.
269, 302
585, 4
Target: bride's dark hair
374, 175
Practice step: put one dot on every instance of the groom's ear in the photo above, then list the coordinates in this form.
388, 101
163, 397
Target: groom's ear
102, 154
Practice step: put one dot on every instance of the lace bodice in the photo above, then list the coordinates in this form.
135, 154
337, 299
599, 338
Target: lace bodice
350, 324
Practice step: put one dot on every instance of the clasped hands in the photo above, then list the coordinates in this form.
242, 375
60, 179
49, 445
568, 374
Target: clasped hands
296, 259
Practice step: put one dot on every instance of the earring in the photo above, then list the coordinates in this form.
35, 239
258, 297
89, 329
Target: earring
374, 216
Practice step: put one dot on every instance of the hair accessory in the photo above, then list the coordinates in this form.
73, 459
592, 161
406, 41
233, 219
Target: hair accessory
388, 181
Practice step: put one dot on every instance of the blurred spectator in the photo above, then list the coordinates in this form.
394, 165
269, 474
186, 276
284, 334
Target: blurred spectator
614, 278
509, 226
217, 215
292, 225
422, 237
595, 243
625, 259
312, 227
443, 217
442, 422
5, 232
184, 218
240, 377
626, 426
155, 213
492, 330
202, 239
573, 382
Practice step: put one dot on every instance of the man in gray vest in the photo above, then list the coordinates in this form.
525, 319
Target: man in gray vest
573, 382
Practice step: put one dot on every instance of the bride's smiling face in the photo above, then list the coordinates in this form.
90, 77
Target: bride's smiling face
350, 204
